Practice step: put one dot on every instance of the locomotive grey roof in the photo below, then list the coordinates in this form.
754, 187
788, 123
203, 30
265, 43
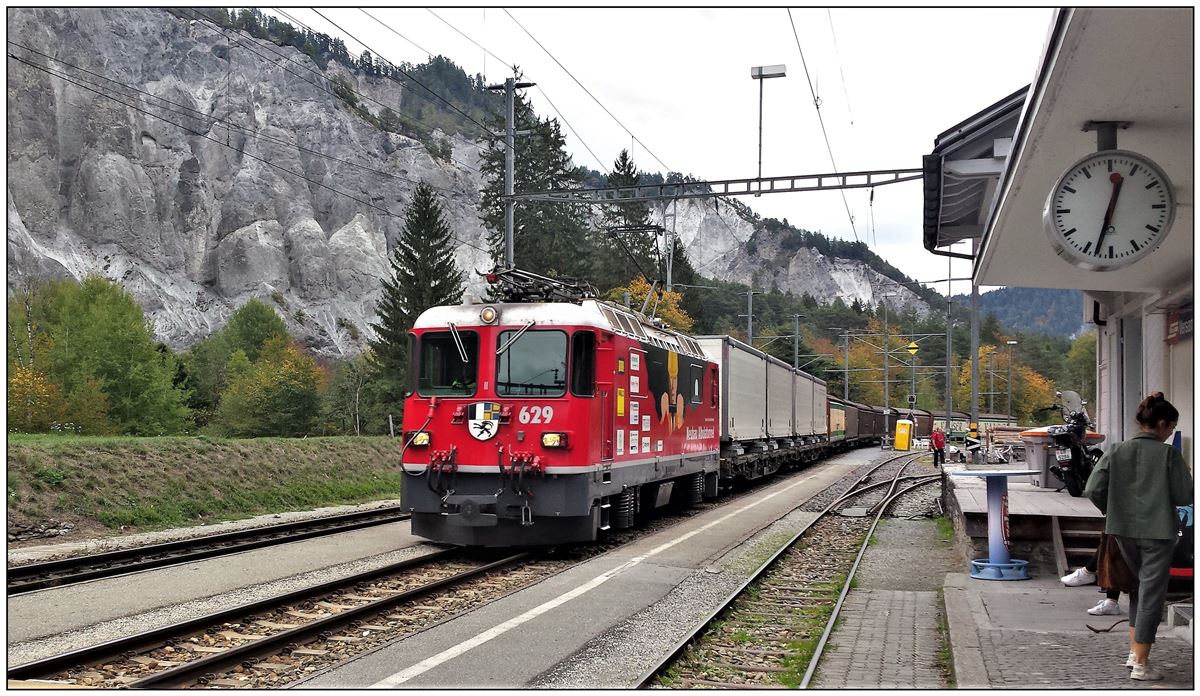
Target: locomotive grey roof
597, 313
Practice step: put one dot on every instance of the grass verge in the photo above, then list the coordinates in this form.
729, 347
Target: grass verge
945, 656
157, 482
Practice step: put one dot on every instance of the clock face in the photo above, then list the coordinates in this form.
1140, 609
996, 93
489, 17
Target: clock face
1110, 209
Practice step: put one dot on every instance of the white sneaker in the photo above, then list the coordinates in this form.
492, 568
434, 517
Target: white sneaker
1144, 672
1106, 607
1130, 661
1082, 576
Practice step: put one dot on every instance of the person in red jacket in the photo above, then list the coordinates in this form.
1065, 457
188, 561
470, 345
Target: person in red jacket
937, 441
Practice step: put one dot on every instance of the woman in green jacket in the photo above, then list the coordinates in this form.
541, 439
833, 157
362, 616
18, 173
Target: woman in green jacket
1137, 484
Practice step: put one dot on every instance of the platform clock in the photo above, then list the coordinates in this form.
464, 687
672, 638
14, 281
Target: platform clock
1109, 210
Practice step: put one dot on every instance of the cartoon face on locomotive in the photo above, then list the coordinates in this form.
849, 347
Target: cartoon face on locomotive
546, 423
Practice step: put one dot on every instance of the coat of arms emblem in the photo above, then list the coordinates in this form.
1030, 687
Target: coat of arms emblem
483, 420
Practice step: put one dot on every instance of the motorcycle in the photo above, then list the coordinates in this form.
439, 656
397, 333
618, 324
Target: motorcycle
1074, 460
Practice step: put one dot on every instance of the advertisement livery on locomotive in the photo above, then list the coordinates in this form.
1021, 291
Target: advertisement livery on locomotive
534, 423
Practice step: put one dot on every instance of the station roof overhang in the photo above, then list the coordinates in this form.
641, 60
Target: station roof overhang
962, 173
1131, 65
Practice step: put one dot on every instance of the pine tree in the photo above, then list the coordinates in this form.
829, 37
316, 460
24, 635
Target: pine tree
614, 265
423, 276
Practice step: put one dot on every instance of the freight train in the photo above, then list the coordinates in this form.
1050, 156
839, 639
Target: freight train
553, 418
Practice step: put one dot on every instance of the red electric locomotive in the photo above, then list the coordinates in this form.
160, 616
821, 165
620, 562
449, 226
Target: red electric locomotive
551, 416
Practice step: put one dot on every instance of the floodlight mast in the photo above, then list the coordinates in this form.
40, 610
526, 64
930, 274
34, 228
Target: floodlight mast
760, 73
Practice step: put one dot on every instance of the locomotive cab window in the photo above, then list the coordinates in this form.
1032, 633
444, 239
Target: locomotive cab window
583, 363
441, 370
535, 364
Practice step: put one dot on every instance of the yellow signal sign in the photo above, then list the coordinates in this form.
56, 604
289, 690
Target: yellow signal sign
912, 348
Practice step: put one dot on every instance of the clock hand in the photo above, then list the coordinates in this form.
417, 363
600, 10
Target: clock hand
1116, 180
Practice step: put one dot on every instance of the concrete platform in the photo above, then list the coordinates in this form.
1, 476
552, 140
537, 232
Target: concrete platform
1034, 634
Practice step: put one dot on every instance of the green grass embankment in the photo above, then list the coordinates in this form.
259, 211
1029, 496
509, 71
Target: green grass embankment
156, 482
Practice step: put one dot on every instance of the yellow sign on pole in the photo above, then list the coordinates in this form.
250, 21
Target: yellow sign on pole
912, 348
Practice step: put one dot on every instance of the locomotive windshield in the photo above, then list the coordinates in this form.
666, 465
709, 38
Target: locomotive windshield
534, 365
442, 370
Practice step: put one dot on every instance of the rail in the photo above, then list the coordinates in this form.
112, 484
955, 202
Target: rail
76, 569
853, 491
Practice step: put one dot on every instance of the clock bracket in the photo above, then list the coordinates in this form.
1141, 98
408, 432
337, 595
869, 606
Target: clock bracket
1106, 132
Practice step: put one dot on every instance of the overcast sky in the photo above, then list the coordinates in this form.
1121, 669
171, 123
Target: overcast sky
679, 80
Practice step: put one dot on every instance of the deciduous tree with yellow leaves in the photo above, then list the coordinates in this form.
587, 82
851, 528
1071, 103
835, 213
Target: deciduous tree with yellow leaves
668, 308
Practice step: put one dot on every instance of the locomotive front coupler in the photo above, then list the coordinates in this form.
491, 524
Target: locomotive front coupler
519, 463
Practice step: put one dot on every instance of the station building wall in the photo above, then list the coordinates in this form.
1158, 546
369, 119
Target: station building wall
1146, 346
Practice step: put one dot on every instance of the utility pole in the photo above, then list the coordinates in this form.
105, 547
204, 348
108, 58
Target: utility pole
949, 350
991, 363
974, 360
750, 315
510, 87
886, 359
796, 340
670, 241
1008, 410
846, 356
912, 389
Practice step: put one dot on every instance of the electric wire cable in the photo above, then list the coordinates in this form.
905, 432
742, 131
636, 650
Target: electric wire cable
585, 89
837, 54
85, 86
573, 130
222, 31
184, 110
414, 80
460, 33
389, 28
633, 137
821, 119
240, 44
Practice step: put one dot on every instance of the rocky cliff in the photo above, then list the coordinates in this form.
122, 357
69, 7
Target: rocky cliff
195, 216
190, 216
715, 238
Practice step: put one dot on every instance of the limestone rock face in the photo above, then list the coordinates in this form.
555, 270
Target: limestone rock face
715, 238
217, 197
203, 189
252, 257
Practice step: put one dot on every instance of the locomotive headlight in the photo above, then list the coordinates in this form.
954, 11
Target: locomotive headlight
421, 439
488, 315
554, 440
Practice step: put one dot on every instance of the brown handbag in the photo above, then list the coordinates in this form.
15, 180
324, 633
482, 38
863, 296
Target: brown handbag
1112, 573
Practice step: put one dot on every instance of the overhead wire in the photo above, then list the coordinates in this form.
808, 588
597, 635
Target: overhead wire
85, 86
573, 130
841, 72
414, 80
821, 119
189, 112
585, 89
240, 44
391, 29
477, 44
633, 138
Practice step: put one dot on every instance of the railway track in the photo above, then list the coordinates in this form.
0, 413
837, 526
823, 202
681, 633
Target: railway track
287, 638
772, 630
67, 571
271, 635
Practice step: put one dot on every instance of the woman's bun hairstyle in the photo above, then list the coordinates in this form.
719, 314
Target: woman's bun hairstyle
1155, 409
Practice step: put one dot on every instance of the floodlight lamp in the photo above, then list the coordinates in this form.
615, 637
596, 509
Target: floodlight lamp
764, 72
